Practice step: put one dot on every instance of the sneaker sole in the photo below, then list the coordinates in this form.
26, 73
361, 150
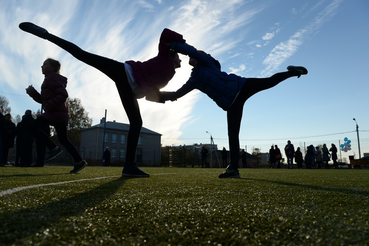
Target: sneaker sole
33, 29
76, 171
230, 177
300, 69
52, 158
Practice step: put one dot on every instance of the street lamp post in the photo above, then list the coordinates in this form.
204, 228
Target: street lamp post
211, 149
358, 139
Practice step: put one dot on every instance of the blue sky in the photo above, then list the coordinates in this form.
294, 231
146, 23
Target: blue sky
249, 38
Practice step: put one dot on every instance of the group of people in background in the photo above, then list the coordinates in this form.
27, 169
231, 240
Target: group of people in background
24, 140
7, 135
314, 158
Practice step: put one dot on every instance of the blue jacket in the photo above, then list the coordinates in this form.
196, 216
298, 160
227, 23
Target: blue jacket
207, 77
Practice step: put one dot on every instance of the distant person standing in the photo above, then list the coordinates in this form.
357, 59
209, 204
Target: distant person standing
278, 156
224, 157
8, 137
26, 139
204, 154
41, 146
333, 149
272, 158
298, 158
325, 156
318, 157
107, 157
18, 140
309, 157
2, 129
289, 150
244, 158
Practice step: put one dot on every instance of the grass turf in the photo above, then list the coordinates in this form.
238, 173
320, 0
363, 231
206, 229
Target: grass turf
184, 206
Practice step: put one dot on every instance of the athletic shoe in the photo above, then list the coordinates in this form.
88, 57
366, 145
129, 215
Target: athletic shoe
53, 153
35, 30
79, 166
300, 70
230, 173
134, 172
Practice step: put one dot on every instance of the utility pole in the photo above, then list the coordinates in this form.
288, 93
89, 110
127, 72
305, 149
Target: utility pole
358, 139
103, 140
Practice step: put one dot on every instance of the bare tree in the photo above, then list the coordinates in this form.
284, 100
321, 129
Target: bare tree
4, 104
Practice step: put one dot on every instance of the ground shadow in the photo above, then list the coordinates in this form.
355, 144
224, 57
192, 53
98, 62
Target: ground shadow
15, 227
314, 187
31, 175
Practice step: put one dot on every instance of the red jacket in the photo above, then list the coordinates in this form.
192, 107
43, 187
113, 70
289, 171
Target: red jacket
158, 71
53, 99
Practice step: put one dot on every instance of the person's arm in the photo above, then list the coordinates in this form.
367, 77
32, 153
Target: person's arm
172, 96
31, 91
191, 51
153, 95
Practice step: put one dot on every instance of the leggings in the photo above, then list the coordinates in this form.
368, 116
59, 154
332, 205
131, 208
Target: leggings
114, 70
41, 123
234, 113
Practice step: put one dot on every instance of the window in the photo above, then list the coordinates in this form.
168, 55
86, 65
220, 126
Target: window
106, 138
114, 138
139, 140
113, 153
122, 139
122, 154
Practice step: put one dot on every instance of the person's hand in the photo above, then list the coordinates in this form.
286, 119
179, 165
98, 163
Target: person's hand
154, 96
30, 89
166, 96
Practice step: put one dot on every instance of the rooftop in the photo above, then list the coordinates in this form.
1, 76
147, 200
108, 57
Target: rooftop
113, 125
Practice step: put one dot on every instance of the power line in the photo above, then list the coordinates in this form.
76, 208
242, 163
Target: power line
315, 136
14, 94
276, 139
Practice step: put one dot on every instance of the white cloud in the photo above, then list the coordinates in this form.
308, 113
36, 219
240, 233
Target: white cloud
286, 49
238, 69
146, 5
268, 36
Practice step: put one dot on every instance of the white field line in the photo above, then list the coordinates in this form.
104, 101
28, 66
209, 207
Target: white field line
13, 190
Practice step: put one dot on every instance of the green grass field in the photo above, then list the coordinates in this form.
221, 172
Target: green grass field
183, 206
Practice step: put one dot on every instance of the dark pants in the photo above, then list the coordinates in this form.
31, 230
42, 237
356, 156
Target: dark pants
18, 150
234, 113
203, 162
26, 153
5, 154
41, 147
41, 123
1, 150
114, 70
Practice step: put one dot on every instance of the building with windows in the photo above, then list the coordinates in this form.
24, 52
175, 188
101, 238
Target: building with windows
115, 137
